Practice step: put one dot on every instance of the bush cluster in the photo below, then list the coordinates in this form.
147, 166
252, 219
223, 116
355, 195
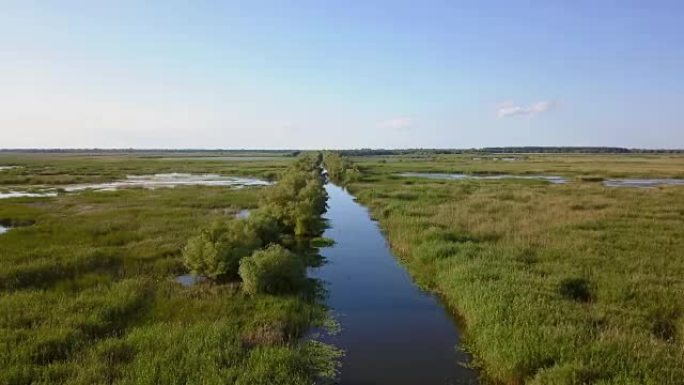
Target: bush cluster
244, 248
272, 270
340, 168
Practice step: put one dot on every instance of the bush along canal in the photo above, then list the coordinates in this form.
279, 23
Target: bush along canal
392, 332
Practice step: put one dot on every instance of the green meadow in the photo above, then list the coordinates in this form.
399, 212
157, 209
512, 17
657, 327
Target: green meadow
88, 290
572, 283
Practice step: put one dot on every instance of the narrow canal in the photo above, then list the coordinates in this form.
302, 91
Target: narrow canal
392, 332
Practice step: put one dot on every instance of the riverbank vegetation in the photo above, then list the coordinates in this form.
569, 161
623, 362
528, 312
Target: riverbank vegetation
555, 284
341, 169
288, 210
88, 290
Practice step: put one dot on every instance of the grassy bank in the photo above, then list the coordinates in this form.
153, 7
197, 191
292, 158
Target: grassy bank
88, 292
556, 284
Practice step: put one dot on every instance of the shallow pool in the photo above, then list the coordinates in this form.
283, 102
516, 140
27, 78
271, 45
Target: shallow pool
442, 176
169, 180
643, 182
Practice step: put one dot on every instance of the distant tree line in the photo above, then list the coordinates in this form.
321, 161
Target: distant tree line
509, 150
368, 151
256, 249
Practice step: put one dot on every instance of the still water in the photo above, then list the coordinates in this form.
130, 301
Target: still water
553, 179
643, 182
392, 332
169, 180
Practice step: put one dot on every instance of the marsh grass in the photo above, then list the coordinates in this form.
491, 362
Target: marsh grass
556, 284
87, 290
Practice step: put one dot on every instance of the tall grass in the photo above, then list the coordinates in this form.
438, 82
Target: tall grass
556, 284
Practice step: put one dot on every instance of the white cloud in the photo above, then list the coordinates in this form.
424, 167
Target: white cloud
509, 109
396, 123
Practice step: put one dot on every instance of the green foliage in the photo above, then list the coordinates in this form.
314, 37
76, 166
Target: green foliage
298, 200
273, 270
291, 207
266, 226
216, 252
340, 168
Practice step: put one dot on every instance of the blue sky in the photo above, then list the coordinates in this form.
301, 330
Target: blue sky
347, 74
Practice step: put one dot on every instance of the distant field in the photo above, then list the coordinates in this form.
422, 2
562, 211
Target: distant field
555, 283
70, 168
87, 282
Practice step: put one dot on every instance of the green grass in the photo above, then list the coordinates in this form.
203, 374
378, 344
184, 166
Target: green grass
555, 284
87, 290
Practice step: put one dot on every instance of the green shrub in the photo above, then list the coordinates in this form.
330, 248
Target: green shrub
216, 252
266, 226
297, 202
272, 270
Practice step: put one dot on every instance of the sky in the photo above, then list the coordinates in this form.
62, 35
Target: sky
341, 74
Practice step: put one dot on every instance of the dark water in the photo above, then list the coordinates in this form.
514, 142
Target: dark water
392, 332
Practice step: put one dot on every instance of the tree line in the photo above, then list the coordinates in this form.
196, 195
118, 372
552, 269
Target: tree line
256, 249
508, 150
340, 169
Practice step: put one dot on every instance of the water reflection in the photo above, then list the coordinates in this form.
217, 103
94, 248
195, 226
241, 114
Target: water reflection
242, 214
392, 332
189, 280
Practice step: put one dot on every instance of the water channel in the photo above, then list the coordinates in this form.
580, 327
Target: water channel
392, 331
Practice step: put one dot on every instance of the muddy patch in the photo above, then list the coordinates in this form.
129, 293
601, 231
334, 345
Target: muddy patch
553, 179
